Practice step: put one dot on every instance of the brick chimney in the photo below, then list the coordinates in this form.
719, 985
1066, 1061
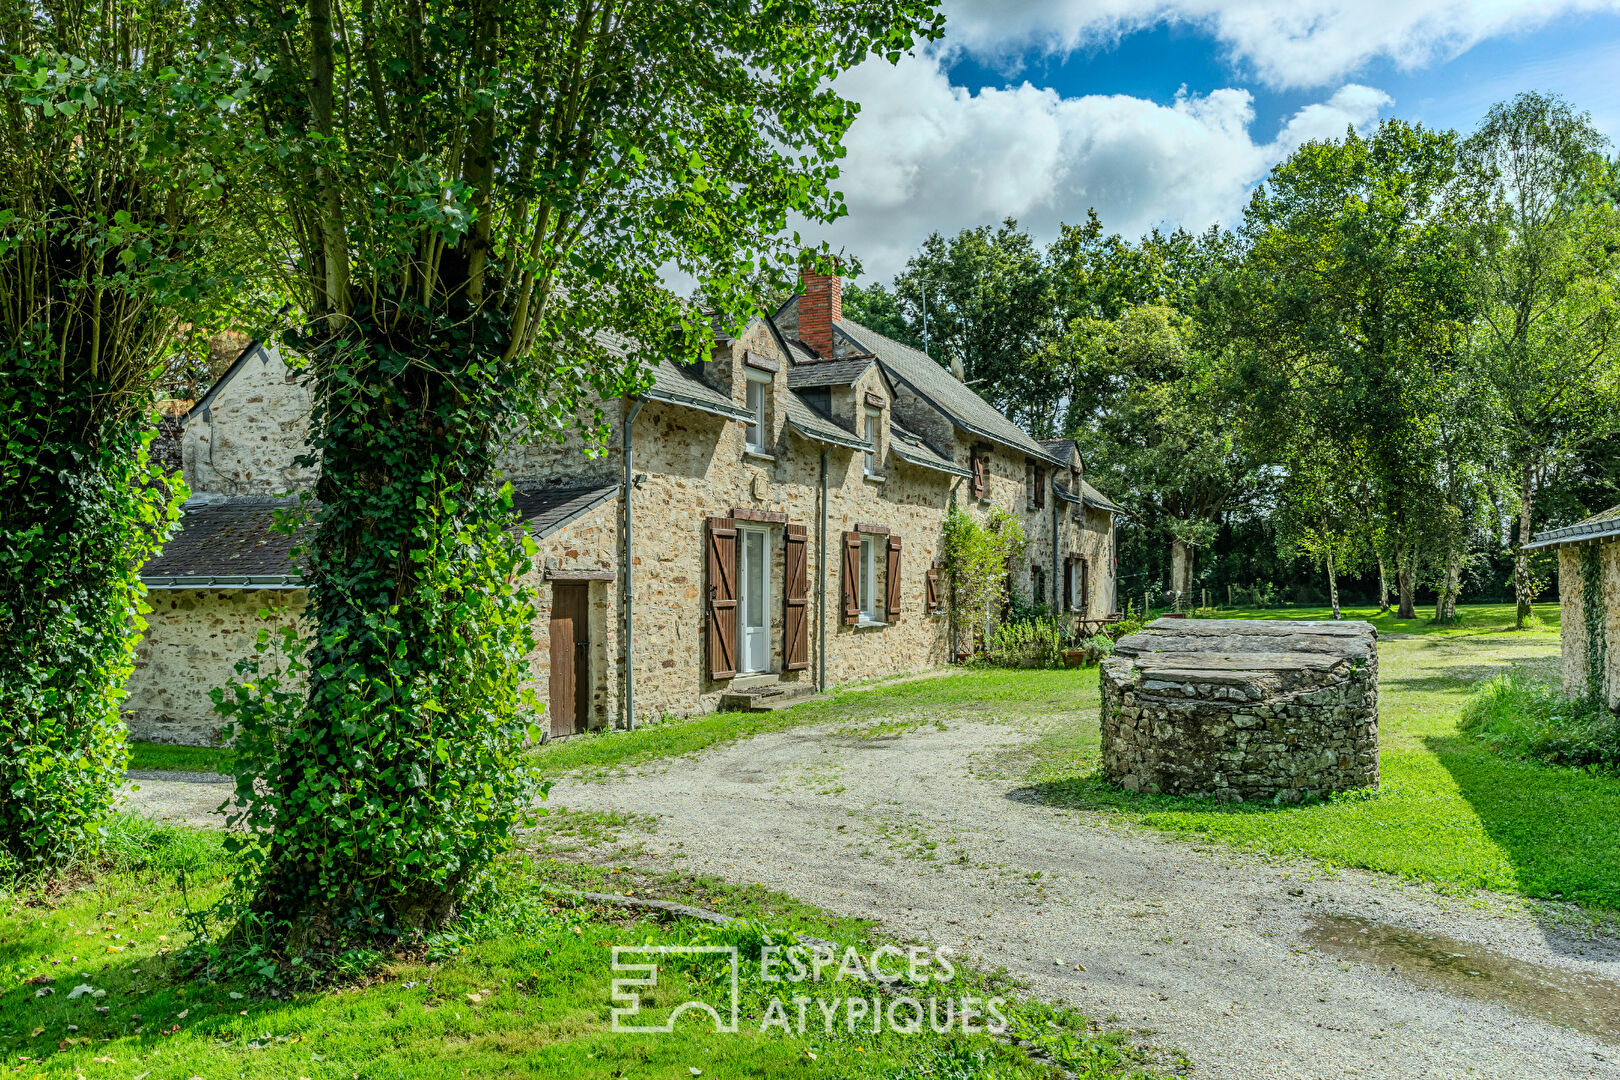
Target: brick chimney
820, 306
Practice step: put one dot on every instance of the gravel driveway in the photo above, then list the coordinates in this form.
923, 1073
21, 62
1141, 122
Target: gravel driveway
1210, 952
1207, 951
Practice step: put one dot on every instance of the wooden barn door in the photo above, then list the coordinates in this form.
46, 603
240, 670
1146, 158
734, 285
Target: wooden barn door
570, 657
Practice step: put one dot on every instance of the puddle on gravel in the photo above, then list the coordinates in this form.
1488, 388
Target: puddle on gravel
1584, 1002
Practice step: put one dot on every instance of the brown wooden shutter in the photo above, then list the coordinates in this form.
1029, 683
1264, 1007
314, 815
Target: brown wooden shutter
1068, 583
976, 485
1040, 489
932, 594
721, 622
852, 578
1085, 585
796, 591
892, 580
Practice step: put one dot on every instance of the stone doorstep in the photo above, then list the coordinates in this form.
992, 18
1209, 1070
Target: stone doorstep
766, 697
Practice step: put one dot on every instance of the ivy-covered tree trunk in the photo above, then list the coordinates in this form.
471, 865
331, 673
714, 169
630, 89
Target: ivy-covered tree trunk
81, 510
402, 774
108, 239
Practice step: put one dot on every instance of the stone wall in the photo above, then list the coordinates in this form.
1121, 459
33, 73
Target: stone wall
194, 638
1238, 710
1589, 624
245, 441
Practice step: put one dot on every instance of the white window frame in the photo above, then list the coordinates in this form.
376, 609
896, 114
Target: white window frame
872, 613
755, 397
874, 427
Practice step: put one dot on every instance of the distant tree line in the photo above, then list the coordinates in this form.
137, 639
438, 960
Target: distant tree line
1401, 363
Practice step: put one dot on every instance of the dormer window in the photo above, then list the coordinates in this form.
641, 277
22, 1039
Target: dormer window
758, 392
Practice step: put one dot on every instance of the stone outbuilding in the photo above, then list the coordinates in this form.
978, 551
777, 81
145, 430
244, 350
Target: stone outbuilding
1236, 709
752, 528
1589, 602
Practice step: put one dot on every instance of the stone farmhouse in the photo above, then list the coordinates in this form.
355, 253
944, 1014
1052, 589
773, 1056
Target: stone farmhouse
1589, 601
762, 525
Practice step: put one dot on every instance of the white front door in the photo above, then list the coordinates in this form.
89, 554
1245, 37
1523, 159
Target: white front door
755, 600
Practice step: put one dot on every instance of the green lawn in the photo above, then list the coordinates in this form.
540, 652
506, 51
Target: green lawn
524, 991
145, 755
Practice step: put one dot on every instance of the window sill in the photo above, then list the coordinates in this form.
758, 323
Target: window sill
757, 455
873, 478
869, 624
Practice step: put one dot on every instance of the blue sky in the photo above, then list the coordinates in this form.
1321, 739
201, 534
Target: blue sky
1169, 112
1577, 55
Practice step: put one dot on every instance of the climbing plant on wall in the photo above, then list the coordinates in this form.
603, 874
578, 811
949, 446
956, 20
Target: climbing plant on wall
1595, 617
978, 556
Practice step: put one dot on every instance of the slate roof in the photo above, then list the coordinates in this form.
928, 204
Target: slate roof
1061, 449
912, 449
228, 542
676, 387
1597, 527
827, 373
546, 510
817, 425
1095, 498
233, 542
928, 380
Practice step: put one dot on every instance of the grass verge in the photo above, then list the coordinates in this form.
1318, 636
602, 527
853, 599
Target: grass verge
214, 759
1531, 720
522, 988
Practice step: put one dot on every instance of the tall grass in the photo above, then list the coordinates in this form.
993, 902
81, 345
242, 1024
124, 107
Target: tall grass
1519, 717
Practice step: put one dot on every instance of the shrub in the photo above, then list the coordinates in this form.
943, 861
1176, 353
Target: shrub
1263, 595
1096, 647
1519, 717
1027, 643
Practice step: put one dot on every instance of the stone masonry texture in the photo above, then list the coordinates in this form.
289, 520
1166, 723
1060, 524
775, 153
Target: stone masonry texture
1238, 710
1581, 671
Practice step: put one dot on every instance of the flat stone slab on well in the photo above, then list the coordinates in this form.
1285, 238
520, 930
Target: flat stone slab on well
1238, 709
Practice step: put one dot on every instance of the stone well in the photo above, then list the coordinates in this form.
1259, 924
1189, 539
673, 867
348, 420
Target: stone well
1235, 709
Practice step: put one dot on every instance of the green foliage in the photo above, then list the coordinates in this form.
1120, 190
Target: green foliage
81, 508
473, 204
1520, 717
110, 245
977, 556
396, 778
1595, 618
1543, 243
1030, 642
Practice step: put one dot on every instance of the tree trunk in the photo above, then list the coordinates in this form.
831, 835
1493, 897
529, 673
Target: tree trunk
1181, 570
1333, 586
1406, 583
1445, 603
1383, 586
1523, 591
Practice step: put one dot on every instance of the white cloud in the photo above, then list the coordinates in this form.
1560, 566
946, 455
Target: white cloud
925, 155
1287, 43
